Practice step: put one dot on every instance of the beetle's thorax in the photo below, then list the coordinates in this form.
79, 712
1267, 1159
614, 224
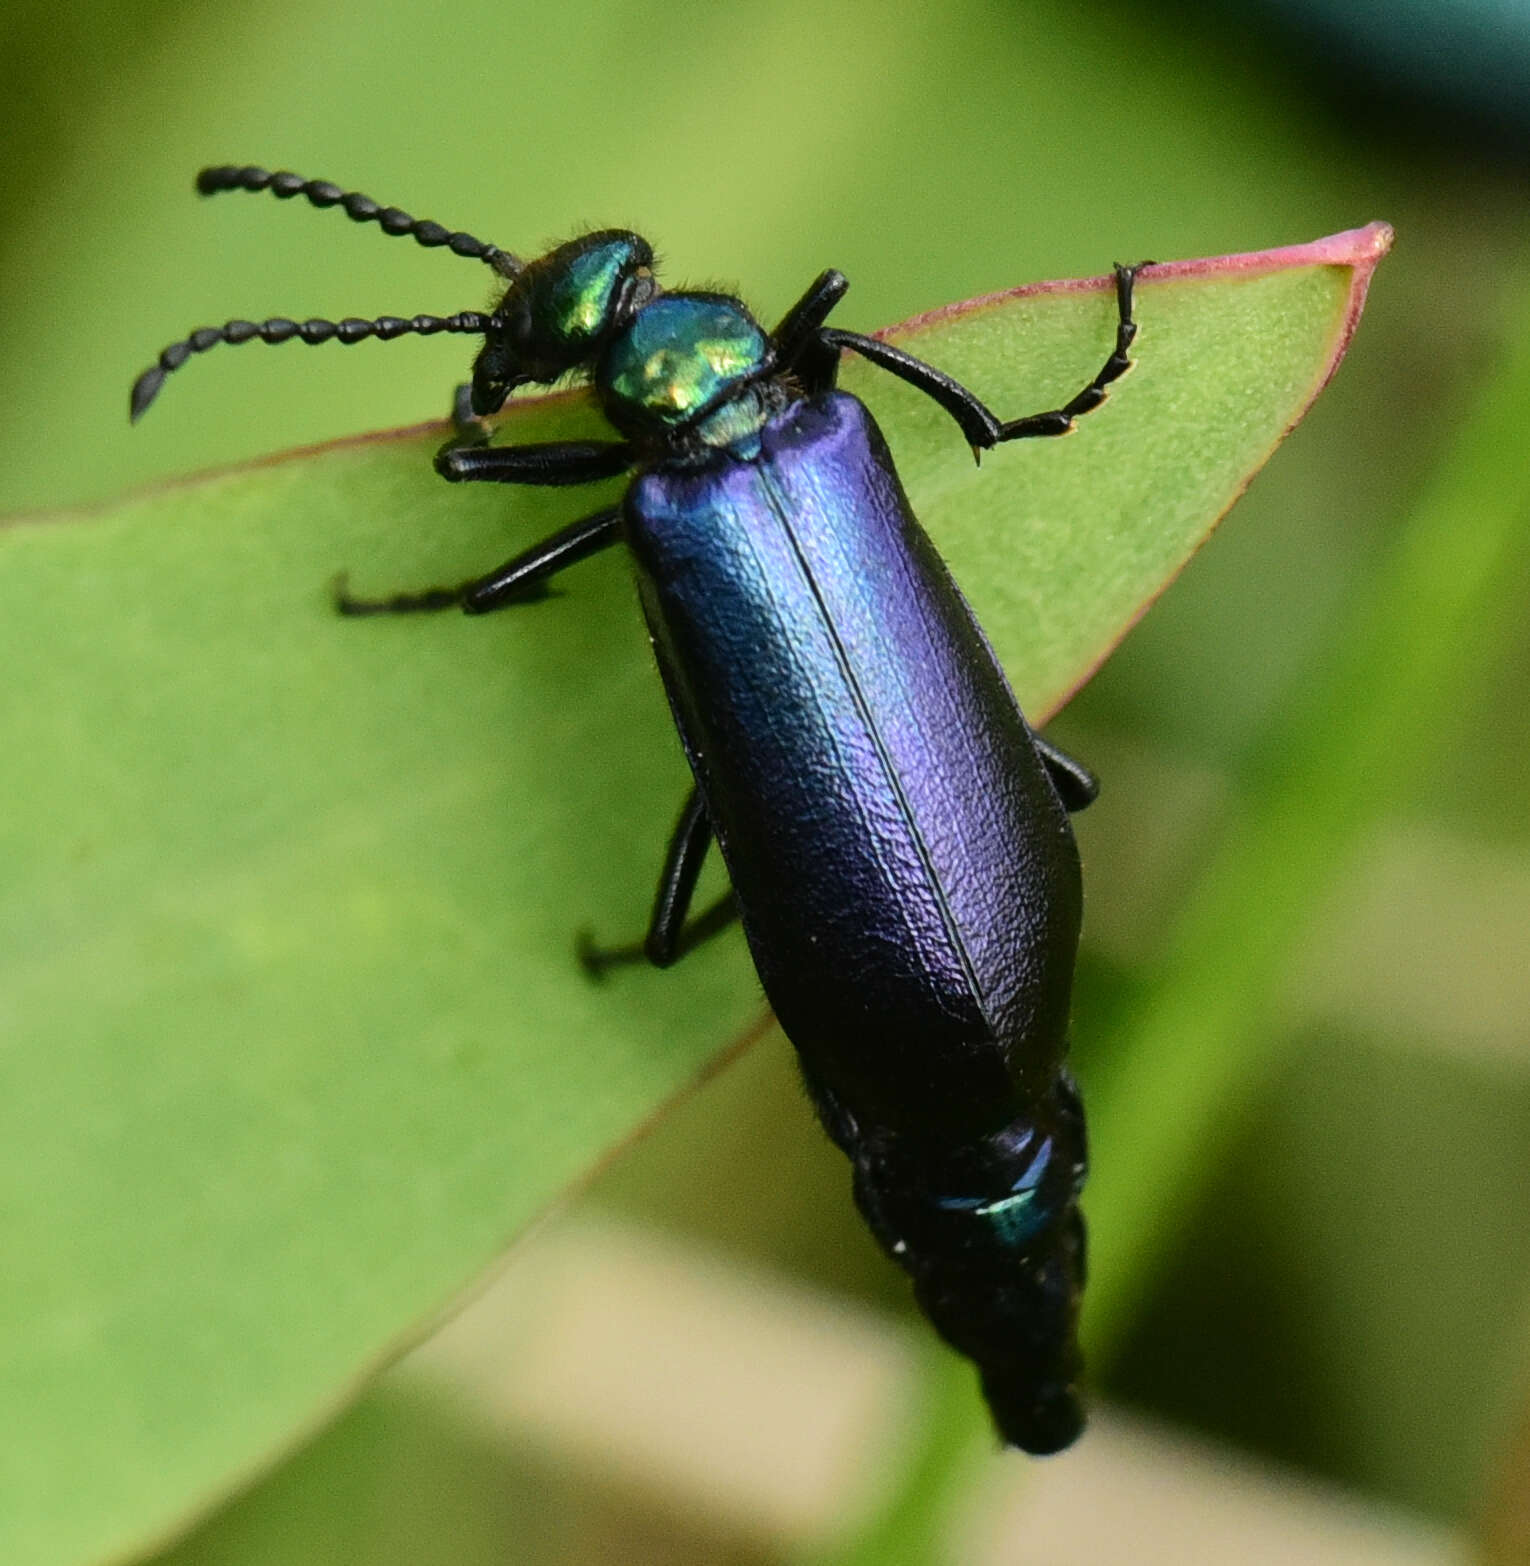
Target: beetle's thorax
689, 362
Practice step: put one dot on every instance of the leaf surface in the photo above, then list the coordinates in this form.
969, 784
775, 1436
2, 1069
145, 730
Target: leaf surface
292, 1040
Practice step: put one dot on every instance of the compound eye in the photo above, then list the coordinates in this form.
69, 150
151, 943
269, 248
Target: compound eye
518, 336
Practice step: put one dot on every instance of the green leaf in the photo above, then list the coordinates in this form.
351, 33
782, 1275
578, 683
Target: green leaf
293, 1039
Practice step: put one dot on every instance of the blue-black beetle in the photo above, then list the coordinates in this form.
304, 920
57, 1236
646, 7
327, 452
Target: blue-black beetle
896, 836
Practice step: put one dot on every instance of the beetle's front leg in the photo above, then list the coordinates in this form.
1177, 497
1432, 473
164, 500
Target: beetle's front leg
982, 427
468, 429
669, 936
798, 341
1058, 421
468, 457
551, 462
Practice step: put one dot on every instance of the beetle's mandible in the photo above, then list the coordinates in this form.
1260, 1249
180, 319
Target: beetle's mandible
896, 837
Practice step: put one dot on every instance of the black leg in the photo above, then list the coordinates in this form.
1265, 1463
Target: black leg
669, 936
800, 349
1077, 787
811, 310
837, 1121
470, 430
553, 462
982, 427
687, 853
1058, 421
977, 423
519, 580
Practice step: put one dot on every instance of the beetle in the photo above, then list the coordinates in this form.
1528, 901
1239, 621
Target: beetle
895, 835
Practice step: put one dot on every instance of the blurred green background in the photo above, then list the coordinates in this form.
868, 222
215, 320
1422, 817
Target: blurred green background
1346, 1287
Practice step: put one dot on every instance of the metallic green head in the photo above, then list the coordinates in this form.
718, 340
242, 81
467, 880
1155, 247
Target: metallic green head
560, 310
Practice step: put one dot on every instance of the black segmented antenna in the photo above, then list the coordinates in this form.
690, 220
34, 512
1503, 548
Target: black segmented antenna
284, 185
280, 330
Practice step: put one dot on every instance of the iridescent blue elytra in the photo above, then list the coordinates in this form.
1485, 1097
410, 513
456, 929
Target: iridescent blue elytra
896, 837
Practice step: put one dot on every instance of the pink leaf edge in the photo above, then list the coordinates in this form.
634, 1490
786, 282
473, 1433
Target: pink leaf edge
1360, 249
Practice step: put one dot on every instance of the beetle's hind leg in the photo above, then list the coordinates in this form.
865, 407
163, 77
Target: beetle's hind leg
716, 917
670, 936
521, 579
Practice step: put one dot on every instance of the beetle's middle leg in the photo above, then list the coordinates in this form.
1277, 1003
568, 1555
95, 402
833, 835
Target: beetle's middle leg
670, 936
521, 579
1077, 787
